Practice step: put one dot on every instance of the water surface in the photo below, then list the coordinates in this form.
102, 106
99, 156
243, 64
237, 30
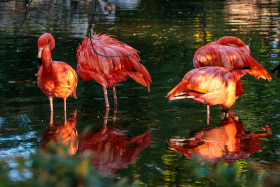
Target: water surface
167, 34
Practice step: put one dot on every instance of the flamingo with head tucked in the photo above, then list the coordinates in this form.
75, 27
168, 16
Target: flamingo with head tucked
55, 78
210, 86
108, 61
231, 53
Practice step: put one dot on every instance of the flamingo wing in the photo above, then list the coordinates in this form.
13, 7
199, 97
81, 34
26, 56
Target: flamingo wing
114, 58
65, 77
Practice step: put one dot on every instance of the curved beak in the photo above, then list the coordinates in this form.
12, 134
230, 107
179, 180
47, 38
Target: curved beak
39, 56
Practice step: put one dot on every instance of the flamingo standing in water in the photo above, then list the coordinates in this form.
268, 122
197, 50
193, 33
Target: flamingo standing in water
210, 86
55, 78
110, 63
231, 53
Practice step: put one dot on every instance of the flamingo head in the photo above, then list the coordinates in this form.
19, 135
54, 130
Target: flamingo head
45, 39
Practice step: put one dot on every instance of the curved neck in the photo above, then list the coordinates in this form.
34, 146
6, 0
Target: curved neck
231, 90
231, 40
46, 57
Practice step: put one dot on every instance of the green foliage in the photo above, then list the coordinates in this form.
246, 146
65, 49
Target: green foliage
193, 172
56, 168
59, 169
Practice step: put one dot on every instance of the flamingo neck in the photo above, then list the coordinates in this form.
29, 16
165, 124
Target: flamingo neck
46, 57
231, 90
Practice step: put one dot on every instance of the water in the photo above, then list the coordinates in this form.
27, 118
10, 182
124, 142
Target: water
167, 34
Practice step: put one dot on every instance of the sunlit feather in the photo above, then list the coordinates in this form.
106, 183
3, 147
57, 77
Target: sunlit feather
229, 52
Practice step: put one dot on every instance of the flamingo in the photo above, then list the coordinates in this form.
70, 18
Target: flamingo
210, 86
231, 53
55, 78
110, 63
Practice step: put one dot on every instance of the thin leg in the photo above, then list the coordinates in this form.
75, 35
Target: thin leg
208, 115
115, 96
106, 97
65, 119
51, 106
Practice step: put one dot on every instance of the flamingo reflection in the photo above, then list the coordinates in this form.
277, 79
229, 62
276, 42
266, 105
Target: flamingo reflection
111, 147
62, 133
228, 142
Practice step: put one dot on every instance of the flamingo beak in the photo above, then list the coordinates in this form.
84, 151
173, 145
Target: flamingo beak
181, 95
39, 56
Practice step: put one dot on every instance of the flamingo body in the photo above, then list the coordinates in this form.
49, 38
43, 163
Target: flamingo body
55, 78
229, 52
119, 62
209, 85
59, 81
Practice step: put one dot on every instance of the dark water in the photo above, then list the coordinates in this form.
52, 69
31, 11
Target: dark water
167, 33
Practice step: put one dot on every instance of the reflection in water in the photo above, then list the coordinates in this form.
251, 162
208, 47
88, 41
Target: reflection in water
62, 133
71, 15
111, 147
256, 12
127, 4
107, 6
228, 142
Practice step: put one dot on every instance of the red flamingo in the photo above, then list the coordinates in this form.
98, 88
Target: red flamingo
55, 78
110, 63
231, 53
209, 85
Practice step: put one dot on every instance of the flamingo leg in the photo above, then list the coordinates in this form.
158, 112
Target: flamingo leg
65, 119
51, 106
115, 96
208, 115
106, 97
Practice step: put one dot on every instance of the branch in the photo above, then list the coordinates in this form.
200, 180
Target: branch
26, 12
27, 17
90, 36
